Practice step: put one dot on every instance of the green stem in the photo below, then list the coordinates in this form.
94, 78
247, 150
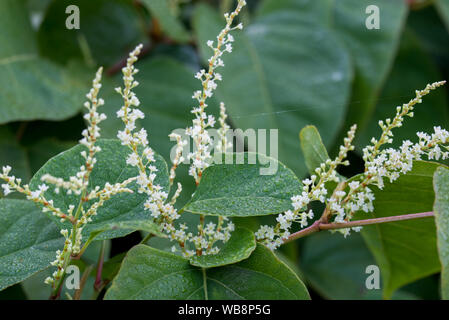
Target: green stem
147, 237
57, 289
319, 225
88, 242
77, 214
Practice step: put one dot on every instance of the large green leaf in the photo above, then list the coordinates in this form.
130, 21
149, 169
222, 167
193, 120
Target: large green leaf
372, 51
399, 89
336, 267
28, 241
32, 88
406, 250
282, 74
147, 273
312, 147
240, 190
109, 29
110, 167
441, 210
160, 9
239, 247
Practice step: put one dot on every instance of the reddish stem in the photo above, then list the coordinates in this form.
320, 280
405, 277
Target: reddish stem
319, 225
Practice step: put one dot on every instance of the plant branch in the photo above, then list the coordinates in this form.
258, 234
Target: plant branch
320, 225
147, 237
78, 292
98, 281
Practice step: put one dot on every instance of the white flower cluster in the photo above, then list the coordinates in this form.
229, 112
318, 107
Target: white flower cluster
15, 184
388, 163
314, 189
142, 157
79, 182
77, 185
178, 155
203, 142
355, 195
141, 154
62, 258
223, 145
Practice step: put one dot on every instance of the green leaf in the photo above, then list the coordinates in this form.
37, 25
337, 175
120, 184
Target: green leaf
405, 250
431, 31
32, 88
43, 150
308, 12
313, 149
239, 190
372, 51
110, 167
12, 154
441, 210
239, 247
443, 9
166, 17
335, 267
28, 241
399, 89
109, 29
129, 226
147, 273
282, 74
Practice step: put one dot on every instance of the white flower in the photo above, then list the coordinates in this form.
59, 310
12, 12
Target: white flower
133, 159
6, 189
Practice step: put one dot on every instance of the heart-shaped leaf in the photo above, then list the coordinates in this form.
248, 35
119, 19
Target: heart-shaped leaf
148, 273
240, 190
